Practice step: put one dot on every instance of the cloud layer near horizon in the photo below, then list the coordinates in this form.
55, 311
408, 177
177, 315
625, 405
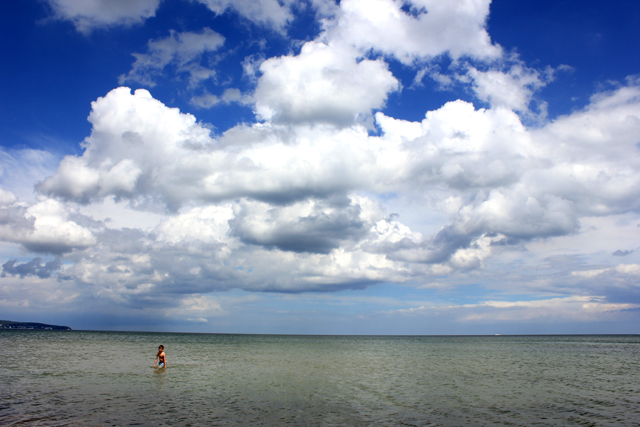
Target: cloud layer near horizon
306, 197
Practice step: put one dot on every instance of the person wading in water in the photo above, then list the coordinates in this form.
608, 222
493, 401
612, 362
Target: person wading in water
161, 358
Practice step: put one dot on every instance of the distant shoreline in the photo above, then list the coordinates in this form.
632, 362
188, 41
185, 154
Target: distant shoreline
7, 324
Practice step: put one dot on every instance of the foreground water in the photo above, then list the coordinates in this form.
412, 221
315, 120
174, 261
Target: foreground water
105, 378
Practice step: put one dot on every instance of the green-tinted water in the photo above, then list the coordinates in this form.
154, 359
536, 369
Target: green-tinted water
105, 378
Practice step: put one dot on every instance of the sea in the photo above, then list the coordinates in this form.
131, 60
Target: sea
79, 378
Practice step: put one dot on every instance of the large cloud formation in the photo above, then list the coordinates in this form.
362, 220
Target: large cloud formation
307, 198
302, 199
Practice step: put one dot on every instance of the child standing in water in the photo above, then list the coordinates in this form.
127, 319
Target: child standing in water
161, 358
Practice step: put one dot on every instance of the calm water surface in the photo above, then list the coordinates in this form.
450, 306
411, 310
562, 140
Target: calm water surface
104, 378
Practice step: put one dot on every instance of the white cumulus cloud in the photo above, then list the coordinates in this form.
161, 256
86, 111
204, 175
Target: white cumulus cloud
324, 83
89, 14
272, 14
426, 29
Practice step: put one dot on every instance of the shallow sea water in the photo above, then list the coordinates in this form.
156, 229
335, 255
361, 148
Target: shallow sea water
104, 378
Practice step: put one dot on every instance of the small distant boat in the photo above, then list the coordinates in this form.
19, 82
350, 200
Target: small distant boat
497, 335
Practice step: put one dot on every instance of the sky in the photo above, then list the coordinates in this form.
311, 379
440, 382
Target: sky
318, 167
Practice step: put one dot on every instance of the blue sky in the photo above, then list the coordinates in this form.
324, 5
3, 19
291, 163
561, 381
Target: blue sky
367, 167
